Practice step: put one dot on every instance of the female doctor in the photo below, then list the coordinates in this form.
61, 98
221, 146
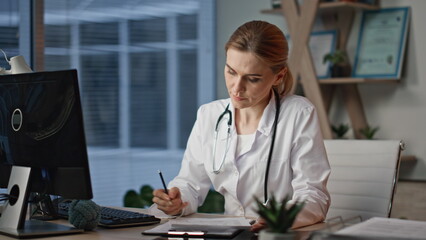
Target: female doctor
260, 141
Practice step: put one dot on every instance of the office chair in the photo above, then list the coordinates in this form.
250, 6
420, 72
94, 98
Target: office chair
363, 177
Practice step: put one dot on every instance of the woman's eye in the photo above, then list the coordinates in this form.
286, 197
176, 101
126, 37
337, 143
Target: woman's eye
254, 80
231, 72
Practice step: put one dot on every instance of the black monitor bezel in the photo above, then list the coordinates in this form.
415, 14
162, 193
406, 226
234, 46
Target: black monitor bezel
75, 192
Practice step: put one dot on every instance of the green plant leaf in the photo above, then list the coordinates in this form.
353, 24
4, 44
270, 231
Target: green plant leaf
132, 199
139, 200
265, 213
340, 130
214, 203
278, 216
336, 57
368, 132
146, 195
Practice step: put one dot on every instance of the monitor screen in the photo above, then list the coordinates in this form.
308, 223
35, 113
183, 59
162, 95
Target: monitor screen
41, 126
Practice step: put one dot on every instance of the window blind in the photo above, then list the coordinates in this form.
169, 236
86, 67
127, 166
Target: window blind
9, 30
139, 65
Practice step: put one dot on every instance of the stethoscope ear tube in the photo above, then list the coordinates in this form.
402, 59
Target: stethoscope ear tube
227, 111
271, 149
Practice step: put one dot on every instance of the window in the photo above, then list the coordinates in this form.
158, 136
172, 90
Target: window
139, 65
9, 30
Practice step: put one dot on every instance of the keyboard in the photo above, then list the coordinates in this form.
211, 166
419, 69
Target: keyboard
114, 218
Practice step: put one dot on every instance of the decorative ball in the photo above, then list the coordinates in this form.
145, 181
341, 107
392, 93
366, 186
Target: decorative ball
84, 214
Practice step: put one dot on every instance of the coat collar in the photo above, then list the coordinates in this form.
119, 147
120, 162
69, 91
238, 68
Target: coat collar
266, 122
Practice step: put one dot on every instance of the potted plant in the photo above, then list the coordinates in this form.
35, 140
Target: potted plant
340, 130
368, 132
338, 63
214, 203
279, 217
142, 199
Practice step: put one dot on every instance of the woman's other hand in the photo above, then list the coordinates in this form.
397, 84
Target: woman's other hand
171, 203
258, 225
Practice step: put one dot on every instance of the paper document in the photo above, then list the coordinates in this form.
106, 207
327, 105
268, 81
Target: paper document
387, 227
223, 227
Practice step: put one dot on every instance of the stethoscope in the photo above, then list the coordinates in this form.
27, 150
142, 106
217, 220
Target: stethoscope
229, 123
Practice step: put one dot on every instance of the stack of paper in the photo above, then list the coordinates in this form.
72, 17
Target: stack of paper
387, 228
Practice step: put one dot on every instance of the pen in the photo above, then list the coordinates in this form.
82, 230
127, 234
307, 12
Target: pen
164, 183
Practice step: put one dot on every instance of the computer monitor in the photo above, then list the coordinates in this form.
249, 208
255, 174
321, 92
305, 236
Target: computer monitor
42, 141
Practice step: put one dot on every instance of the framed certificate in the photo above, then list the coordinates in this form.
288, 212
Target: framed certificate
381, 43
320, 44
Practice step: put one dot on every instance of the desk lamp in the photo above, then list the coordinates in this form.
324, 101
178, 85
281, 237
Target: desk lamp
17, 65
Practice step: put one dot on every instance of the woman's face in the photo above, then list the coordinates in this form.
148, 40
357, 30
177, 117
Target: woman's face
248, 79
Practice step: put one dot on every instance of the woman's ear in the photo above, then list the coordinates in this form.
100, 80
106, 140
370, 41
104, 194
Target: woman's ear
280, 76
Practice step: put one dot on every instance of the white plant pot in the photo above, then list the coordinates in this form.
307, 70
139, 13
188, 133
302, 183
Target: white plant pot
267, 235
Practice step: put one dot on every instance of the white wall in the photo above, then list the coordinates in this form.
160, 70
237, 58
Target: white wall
230, 15
398, 109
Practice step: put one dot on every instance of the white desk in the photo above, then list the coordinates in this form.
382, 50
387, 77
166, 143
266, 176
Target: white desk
135, 232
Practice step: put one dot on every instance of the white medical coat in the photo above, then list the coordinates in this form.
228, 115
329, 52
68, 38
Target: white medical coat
299, 165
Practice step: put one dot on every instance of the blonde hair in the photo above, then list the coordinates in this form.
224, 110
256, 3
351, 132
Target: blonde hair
269, 44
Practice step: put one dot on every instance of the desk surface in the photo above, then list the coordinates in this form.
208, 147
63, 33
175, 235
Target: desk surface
135, 232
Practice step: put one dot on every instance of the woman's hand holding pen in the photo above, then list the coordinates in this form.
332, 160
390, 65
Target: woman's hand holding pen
170, 203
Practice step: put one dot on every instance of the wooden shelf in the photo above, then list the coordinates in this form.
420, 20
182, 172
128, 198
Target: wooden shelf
350, 80
357, 5
300, 18
330, 6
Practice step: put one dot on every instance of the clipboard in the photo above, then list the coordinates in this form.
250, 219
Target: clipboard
195, 231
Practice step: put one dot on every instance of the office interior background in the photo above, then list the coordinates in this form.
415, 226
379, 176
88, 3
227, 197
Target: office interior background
145, 66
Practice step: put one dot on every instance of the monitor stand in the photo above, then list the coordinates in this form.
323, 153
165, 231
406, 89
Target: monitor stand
12, 220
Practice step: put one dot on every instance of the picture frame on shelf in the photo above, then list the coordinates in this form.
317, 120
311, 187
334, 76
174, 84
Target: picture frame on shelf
381, 43
276, 4
320, 44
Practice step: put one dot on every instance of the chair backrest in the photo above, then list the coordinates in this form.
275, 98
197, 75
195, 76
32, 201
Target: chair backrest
363, 177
